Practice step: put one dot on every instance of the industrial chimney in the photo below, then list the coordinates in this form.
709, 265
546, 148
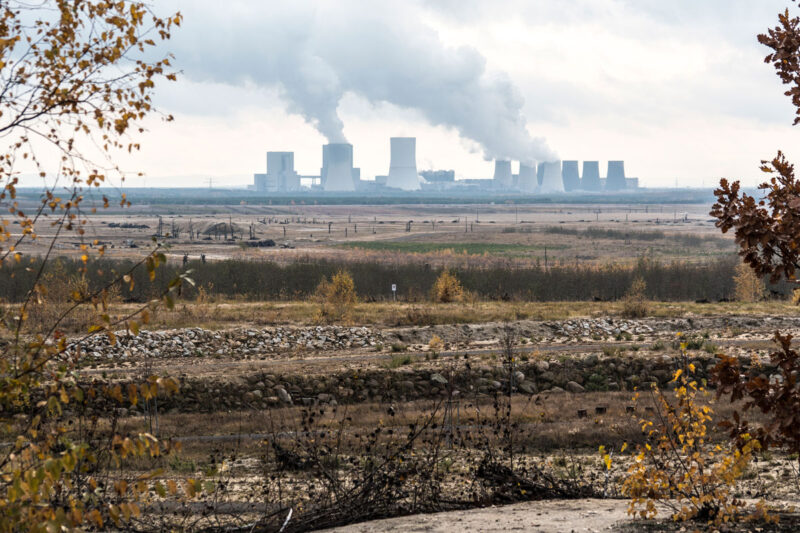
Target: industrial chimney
540, 174
502, 174
615, 180
337, 167
591, 176
552, 182
572, 180
527, 178
403, 164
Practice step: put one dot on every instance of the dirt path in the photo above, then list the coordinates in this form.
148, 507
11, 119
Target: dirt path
545, 516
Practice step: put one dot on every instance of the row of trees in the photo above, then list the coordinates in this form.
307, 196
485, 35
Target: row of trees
677, 281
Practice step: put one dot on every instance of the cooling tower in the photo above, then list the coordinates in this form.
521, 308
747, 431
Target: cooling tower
552, 182
403, 164
615, 180
569, 173
591, 176
337, 167
502, 174
527, 178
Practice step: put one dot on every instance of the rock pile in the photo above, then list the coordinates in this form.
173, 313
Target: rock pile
593, 373
603, 327
197, 342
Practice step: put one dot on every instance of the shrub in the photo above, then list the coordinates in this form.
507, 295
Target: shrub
400, 360
635, 303
436, 344
679, 468
747, 286
447, 288
658, 346
338, 296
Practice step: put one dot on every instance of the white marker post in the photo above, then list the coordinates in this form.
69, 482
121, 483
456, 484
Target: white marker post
394, 292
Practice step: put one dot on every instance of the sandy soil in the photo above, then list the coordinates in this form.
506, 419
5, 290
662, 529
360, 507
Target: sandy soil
545, 516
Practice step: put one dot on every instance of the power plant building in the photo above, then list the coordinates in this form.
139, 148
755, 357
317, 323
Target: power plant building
615, 179
552, 179
403, 164
339, 175
502, 175
590, 179
569, 173
280, 176
527, 181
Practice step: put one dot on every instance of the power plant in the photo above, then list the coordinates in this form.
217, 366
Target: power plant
280, 174
572, 180
527, 181
552, 178
502, 174
616, 176
590, 181
403, 164
339, 175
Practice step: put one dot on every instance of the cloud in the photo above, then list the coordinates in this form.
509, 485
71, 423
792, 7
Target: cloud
318, 52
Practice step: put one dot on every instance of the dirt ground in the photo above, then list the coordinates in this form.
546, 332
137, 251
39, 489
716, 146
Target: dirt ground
340, 232
554, 516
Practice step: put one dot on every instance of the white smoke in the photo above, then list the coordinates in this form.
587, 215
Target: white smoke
384, 52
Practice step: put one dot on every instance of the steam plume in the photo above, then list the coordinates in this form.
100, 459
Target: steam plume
383, 52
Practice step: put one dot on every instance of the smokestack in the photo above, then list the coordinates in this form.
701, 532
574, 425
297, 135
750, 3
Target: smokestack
572, 180
337, 167
591, 176
527, 178
540, 174
552, 182
403, 164
615, 180
502, 174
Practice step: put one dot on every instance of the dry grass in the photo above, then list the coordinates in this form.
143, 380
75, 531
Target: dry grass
220, 314
228, 313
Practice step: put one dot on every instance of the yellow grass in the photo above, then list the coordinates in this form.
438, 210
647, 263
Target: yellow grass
388, 314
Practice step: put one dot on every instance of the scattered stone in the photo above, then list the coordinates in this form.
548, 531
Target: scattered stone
438, 378
574, 387
283, 395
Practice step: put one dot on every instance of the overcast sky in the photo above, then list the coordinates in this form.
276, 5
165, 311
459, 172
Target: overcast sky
677, 89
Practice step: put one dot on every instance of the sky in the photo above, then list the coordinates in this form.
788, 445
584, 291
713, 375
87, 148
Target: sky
677, 89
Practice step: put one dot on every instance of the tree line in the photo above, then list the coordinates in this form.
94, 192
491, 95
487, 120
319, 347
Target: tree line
257, 280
